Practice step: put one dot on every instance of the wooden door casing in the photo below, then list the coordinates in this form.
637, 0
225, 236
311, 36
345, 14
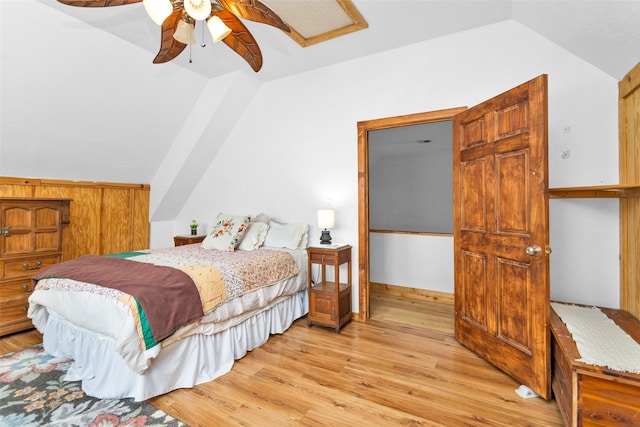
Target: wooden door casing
500, 209
364, 128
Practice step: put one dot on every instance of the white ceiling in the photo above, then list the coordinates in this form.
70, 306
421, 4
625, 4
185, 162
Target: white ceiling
604, 33
79, 83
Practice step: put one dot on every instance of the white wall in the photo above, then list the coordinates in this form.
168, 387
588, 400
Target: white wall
585, 265
412, 191
296, 144
412, 261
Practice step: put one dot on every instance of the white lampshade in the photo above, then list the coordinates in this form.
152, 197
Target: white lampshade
158, 10
184, 32
326, 218
198, 9
217, 28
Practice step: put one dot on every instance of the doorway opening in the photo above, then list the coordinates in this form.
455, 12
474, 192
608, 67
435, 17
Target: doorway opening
365, 226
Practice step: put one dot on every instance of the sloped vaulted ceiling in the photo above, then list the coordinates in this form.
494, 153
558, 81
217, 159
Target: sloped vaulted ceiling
79, 83
604, 33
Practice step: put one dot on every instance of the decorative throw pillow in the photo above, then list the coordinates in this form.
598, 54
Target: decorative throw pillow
227, 232
254, 237
291, 236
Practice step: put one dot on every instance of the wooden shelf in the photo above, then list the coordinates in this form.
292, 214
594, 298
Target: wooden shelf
596, 192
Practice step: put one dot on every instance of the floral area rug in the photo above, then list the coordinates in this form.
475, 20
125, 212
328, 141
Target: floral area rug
33, 392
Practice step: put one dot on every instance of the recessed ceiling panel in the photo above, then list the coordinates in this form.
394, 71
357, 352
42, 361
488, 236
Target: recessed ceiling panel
316, 21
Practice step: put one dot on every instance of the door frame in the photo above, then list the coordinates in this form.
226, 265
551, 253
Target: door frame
363, 189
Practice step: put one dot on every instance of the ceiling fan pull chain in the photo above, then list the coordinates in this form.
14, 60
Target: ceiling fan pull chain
191, 34
203, 44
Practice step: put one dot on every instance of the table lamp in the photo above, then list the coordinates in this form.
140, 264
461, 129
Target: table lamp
326, 220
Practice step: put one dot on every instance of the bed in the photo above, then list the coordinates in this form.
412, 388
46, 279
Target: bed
134, 328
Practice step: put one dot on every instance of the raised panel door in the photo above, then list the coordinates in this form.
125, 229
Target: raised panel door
501, 233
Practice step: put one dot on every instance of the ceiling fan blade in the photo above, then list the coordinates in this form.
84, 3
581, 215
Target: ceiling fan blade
98, 3
241, 40
169, 47
254, 10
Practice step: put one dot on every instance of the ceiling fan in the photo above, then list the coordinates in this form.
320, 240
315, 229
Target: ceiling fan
178, 17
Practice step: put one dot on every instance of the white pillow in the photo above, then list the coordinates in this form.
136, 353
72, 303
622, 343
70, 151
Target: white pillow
291, 236
227, 233
254, 237
261, 217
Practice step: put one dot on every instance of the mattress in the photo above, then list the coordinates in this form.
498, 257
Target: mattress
95, 309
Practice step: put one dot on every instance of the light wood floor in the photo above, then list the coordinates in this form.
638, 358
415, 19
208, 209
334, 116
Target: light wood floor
421, 313
401, 368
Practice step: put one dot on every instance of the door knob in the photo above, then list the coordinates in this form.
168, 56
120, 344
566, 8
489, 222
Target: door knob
534, 250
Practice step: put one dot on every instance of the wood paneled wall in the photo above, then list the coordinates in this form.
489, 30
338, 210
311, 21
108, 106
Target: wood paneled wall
105, 217
629, 122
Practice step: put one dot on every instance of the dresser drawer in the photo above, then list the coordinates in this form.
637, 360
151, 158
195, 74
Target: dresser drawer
14, 310
15, 289
17, 268
13, 316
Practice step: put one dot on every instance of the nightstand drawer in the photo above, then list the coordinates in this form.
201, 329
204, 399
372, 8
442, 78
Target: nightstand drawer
322, 258
329, 257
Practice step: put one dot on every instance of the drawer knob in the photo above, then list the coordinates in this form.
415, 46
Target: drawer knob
38, 265
26, 288
24, 309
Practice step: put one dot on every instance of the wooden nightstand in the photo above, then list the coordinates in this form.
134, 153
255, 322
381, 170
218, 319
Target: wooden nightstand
329, 302
187, 240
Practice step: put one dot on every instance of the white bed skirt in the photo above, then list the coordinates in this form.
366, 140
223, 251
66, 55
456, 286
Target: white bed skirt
190, 361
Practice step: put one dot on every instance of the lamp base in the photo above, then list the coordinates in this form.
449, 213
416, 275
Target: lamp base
325, 237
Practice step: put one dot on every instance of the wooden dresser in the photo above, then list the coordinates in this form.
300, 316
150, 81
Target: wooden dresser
30, 239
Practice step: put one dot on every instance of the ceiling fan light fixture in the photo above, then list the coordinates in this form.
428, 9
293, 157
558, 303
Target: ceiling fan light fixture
217, 28
185, 32
198, 9
177, 20
158, 10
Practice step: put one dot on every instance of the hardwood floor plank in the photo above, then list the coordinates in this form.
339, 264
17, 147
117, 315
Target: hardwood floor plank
397, 308
384, 372
19, 341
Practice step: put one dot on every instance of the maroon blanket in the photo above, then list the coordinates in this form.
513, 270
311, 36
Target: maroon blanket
168, 296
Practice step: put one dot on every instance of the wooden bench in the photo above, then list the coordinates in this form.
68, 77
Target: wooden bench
589, 395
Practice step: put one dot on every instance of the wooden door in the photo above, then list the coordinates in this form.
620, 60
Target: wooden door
501, 236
